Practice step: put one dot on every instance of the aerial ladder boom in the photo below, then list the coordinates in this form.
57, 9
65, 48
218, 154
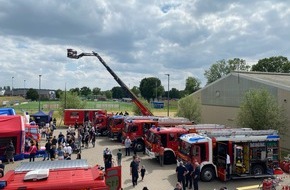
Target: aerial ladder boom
144, 110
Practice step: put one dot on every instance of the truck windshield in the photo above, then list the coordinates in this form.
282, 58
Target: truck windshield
185, 148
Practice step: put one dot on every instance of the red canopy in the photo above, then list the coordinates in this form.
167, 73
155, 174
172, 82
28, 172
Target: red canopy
12, 128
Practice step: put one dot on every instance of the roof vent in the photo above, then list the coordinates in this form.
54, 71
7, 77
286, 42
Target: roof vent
36, 175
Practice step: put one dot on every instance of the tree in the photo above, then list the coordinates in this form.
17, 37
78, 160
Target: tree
259, 110
70, 100
77, 90
108, 94
191, 85
237, 64
136, 90
85, 91
58, 93
96, 91
136, 110
273, 64
118, 92
32, 94
189, 108
151, 88
173, 93
222, 68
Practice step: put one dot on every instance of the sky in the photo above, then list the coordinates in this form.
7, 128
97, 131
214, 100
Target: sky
136, 38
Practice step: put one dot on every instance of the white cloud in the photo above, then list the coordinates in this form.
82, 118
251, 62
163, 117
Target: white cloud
137, 39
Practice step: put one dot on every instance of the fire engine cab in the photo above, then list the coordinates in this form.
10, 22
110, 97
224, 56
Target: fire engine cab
118, 122
138, 128
168, 137
250, 153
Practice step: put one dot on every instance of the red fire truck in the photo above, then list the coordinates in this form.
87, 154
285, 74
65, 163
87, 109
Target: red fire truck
252, 153
168, 137
138, 128
60, 174
98, 117
117, 124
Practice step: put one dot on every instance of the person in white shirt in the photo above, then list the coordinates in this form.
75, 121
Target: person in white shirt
228, 166
128, 146
67, 149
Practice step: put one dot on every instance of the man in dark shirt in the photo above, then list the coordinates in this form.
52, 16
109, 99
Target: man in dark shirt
2, 167
181, 173
47, 150
134, 170
196, 174
188, 180
54, 140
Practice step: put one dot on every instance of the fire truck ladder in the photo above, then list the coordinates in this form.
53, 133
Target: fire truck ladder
145, 111
240, 132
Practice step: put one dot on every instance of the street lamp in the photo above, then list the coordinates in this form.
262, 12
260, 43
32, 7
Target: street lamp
24, 89
168, 75
12, 86
156, 90
39, 93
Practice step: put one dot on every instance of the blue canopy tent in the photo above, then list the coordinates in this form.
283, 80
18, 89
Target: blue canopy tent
41, 118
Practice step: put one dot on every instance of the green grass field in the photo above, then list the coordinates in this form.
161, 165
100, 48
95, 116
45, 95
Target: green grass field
21, 105
110, 106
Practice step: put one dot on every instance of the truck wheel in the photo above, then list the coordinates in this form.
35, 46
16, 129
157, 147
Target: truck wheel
207, 174
140, 146
257, 169
169, 158
105, 132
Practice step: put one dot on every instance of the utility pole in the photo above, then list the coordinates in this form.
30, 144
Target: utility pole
12, 86
39, 92
168, 75
65, 96
156, 90
24, 91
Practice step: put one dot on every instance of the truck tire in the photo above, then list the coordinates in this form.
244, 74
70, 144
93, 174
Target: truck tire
169, 158
258, 169
104, 132
207, 174
140, 146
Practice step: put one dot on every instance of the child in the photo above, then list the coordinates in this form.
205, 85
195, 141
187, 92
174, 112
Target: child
79, 156
119, 157
143, 171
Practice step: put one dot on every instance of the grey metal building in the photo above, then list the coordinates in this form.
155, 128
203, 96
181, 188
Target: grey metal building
220, 100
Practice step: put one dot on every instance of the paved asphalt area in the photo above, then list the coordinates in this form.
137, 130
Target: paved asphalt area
156, 177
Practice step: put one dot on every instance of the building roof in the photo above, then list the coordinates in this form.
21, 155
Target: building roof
281, 80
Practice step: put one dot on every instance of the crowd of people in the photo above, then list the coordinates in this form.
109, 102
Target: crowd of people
62, 146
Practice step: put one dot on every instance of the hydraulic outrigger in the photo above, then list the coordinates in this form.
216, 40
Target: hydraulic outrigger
144, 110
